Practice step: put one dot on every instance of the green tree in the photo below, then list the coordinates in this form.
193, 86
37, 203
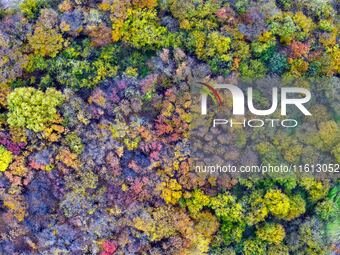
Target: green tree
74, 142
230, 212
278, 63
31, 8
315, 189
45, 41
278, 250
278, 203
284, 27
311, 238
141, 29
226, 207
197, 201
257, 209
329, 134
210, 45
297, 207
254, 247
253, 69
326, 210
272, 233
268, 153
32, 108
6, 158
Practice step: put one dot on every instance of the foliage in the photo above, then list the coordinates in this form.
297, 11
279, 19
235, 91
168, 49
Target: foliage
253, 69
277, 202
297, 207
95, 121
268, 153
75, 70
328, 133
254, 246
310, 237
226, 208
284, 27
31, 8
278, 250
45, 41
200, 15
210, 45
326, 210
271, 233
141, 29
74, 142
278, 63
33, 109
197, 201
290, 149
6, 158
258, 210
81, 66
171, 191
315, 189
161, 223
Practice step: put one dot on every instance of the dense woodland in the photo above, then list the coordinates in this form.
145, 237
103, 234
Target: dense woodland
95, 119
